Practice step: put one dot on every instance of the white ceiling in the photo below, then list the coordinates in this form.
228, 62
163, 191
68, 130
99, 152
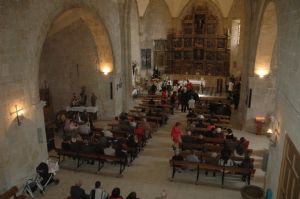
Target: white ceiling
176, 6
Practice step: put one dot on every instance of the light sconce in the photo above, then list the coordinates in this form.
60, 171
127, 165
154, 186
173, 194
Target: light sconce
262, 72
273, 137
19, 113
106, 69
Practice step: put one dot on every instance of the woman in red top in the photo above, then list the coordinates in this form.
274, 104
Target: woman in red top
176, 134
164, 93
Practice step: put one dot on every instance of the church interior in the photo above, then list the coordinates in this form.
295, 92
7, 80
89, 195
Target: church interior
149, 99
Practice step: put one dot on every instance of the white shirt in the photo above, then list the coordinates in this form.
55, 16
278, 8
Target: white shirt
191, 103
230, 86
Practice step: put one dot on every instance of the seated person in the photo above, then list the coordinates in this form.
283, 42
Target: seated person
200, 124
116, 194
140, 134
192, 157
77, 192
211, 125
108, 133
241, 147
247, 164
225, 156
74, 145
229, 135
85, 129
84, 116
109, 150
65, 145
145, 125
191, 114
219, 133
212, 159
151, 102
121, 151
188, 138
98, 192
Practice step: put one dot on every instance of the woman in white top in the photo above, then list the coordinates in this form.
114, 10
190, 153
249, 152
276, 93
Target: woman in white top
191, 103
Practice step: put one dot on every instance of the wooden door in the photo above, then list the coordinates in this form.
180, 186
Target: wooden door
289, 185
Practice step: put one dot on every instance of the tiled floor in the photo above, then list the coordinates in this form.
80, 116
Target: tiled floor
149, 175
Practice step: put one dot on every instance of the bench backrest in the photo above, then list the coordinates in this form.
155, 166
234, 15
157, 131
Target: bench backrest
10, 193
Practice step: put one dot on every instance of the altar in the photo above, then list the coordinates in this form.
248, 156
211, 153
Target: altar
89, 109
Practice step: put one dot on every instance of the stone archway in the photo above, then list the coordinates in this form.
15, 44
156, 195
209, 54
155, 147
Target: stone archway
94, 55
262, 86
266, 41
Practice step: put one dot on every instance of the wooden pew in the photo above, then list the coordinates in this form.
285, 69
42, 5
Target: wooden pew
12, 192
100, 158
224, 170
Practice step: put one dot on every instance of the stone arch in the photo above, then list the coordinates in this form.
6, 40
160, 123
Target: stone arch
134, 25
212, 6
104, 60
266, 40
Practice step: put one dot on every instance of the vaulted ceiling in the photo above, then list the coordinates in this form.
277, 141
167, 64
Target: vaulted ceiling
176, 6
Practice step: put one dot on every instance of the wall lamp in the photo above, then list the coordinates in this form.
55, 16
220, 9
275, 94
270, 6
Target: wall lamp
273, 137
19, 113
106, 69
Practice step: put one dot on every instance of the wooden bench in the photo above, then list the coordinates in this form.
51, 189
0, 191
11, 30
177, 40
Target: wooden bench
101, 159
224, 170
12, 192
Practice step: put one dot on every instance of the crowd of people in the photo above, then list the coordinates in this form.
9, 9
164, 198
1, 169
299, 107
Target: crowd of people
81, 99
77, 192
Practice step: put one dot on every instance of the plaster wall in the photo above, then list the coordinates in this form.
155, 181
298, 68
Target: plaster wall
237, 12
23, 30
62, 52
288, 85
155, 24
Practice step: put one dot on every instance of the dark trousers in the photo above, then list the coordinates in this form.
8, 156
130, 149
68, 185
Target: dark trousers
184, 107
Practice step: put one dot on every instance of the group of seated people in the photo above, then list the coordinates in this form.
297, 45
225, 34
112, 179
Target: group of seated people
219, 108
77, 123
98, 192
232, 147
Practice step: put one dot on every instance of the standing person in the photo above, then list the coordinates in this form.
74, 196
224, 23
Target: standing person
230, 88
98, 193
191, 103
173, 101
93, 99
184, 101
132, 195
176, 135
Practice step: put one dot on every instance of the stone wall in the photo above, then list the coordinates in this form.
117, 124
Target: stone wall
237, 12
63, 51
23, 30
287, 106
155, 24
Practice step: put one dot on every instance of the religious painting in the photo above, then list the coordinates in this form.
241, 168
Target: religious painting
210, 43
210, 55
187, 55
199, 23
198, 54
178, 43
187, 42
177, 55
199, 43
221, 43
146, 58
220, 56
211, 29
